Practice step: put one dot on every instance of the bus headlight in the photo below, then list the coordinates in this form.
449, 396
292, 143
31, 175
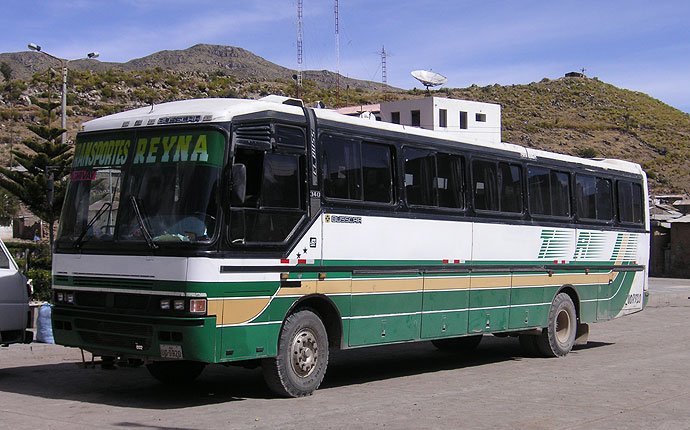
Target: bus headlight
165, 304
60, 296
69, 297
197, 306
178, 305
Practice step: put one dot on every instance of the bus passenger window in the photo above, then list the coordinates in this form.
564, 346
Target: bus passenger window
419, 171
511, 188
638, 206
341, 169
594, 199
450, 181
549, 192
484, 186
604, 199
560, 194
539, 189
629, 202
377, 173
585, 192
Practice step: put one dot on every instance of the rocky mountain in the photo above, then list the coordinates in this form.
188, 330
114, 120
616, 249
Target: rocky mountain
203, 58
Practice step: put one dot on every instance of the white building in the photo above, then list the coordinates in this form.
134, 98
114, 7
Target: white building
472, 121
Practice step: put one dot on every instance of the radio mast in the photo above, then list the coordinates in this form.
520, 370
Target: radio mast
337, 57
383, 65
299, 49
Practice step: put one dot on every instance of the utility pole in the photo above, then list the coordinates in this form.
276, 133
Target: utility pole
337, 57
299, 49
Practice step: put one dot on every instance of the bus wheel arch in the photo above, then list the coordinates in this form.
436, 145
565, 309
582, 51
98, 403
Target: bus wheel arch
325, 309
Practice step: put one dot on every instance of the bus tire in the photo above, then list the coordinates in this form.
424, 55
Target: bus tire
302, 358
558, 338
175, 372
458, 344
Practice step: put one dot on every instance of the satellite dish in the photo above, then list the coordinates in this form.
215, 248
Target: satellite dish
429, 78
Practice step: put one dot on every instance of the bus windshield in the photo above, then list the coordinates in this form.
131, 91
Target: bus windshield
154, 187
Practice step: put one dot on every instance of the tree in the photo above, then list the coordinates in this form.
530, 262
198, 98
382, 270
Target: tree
46, 157
6, 71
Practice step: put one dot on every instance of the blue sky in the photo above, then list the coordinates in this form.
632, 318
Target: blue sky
638, 45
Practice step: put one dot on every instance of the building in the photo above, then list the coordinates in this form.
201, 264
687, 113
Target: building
474, 121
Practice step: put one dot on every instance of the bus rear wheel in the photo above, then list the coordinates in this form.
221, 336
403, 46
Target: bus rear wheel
558, 338
175, 372
458, 344
302, 357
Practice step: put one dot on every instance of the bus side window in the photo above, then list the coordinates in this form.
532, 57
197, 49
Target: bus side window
604, 199
629, 202
549, 192
485, 188
377, 173
594, 198
341, 168
419, 171
450, 181
511, 187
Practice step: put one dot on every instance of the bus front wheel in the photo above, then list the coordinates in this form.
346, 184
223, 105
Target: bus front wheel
175, 372
302, 357
558, 338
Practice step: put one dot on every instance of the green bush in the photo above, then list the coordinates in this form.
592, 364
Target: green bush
41, 281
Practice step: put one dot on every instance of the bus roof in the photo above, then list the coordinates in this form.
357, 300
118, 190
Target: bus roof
214, 110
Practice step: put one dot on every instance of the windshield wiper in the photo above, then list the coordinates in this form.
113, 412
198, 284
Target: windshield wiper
101, 211
142, 224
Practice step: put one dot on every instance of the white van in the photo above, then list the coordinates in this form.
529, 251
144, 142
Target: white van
14, 301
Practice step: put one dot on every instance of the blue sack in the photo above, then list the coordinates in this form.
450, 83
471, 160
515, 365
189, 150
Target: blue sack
44, 327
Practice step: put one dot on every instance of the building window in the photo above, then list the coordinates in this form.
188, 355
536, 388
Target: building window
395, 117
480, 117
443, 118
416, 118
463, 120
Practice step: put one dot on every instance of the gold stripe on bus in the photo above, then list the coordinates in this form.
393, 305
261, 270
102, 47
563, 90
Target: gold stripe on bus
561, 279
490, 281
215, 308
456, 283
386, 285
336, 286
236, 311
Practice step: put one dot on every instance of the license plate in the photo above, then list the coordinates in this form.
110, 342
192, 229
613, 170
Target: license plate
171, 351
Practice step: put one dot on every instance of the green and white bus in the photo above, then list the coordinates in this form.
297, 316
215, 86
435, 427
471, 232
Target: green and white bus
223, 230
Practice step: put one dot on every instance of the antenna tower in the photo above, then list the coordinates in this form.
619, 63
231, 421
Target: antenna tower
337, 56
299, 48
384, 79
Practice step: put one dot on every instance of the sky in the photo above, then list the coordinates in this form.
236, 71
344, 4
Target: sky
638, 45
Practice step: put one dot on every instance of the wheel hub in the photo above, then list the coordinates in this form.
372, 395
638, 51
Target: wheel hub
304, 352
563, 327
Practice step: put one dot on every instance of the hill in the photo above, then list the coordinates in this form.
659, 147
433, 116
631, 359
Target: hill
202, 58
578, 116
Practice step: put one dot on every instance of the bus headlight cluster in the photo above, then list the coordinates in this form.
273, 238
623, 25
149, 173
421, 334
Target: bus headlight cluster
64, 297
197, 306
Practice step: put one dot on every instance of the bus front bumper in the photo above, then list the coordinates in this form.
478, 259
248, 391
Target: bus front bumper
146, 337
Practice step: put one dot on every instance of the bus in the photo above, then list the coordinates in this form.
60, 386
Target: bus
266, 232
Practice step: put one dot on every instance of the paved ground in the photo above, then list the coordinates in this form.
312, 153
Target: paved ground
633, 374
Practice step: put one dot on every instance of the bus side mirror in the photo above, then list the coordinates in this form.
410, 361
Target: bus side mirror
239, 183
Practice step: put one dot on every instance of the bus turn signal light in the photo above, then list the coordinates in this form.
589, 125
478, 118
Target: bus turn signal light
197, 306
